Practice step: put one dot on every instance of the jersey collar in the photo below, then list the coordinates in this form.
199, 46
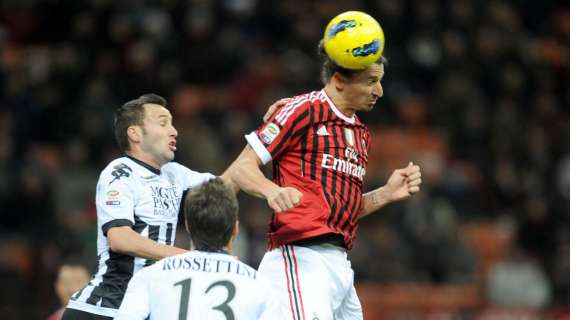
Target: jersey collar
222, 251
336, 111
144, 164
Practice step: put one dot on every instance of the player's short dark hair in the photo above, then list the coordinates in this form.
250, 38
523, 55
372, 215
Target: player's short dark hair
132, 113
329, 67
211, 212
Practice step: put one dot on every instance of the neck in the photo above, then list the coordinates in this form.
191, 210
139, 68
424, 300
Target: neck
338, 100
227, 250
139, 155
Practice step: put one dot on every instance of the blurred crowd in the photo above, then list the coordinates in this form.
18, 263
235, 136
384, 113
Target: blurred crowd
476, 92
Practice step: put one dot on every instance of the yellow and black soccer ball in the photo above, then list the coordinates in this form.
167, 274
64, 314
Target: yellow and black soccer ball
354, 40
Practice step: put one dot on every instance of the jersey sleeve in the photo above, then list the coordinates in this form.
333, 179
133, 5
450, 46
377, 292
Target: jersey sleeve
285, 128
115, 199
136, 303
190, 178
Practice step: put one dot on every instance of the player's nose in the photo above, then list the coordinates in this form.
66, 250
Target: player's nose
173, 132
378, 90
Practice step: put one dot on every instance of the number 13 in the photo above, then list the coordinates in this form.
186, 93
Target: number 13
224, 307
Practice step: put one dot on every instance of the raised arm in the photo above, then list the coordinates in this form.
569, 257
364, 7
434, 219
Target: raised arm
402, 184
245, 172
270, 111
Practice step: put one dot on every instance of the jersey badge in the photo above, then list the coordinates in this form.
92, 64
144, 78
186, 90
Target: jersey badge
349, 135
270, 132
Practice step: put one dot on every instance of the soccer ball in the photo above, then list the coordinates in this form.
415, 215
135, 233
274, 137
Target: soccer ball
354, 40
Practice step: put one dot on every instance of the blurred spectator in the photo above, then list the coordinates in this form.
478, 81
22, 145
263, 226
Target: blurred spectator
518, 282
439, 253
561, 268
70, 278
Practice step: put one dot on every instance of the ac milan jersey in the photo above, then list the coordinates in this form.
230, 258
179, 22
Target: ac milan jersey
321, 152
200, 285
132, 193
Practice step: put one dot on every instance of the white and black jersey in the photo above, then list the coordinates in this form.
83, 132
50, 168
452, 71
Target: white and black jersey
199, 285
132, 193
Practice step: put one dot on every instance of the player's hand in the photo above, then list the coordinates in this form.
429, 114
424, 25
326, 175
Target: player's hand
277, 104
404, 182
282, 199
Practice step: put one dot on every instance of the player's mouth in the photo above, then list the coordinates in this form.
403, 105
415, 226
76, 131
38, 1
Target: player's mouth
172, 145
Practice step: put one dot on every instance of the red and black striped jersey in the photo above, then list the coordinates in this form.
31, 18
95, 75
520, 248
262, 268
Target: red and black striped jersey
321, 152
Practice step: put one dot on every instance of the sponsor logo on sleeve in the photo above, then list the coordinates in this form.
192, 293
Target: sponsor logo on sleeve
113, 193
270, 132
112, 198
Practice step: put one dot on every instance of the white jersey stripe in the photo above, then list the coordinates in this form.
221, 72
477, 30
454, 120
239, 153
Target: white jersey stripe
288, 111
287, 107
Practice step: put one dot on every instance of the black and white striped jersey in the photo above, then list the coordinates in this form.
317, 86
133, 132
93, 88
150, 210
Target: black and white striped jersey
132, 193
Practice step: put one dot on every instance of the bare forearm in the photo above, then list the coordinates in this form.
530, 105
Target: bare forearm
133, 244
249, 178
374, 200
149, 249
230, 183
245, 174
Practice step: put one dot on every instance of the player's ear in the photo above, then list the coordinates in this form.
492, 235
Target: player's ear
235, 231
338, 81
134, 133
186, 224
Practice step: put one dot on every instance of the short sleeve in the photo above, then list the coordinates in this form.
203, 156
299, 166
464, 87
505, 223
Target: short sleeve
136, 303
285, 128
115, 198
190, 178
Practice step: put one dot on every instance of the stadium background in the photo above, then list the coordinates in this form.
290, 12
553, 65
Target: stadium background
476, 92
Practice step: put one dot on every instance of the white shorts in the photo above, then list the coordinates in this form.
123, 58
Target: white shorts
316, 282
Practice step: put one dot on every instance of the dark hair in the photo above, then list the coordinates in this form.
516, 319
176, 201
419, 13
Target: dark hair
132, 113
329, 67
211, 213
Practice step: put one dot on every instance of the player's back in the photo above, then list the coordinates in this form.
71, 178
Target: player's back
199, 285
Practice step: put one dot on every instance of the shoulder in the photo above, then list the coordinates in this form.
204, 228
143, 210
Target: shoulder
358, 124
118, 169
180, 171
174, 166
300, 106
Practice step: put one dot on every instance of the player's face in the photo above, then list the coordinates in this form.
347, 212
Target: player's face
363, 90
159, 135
